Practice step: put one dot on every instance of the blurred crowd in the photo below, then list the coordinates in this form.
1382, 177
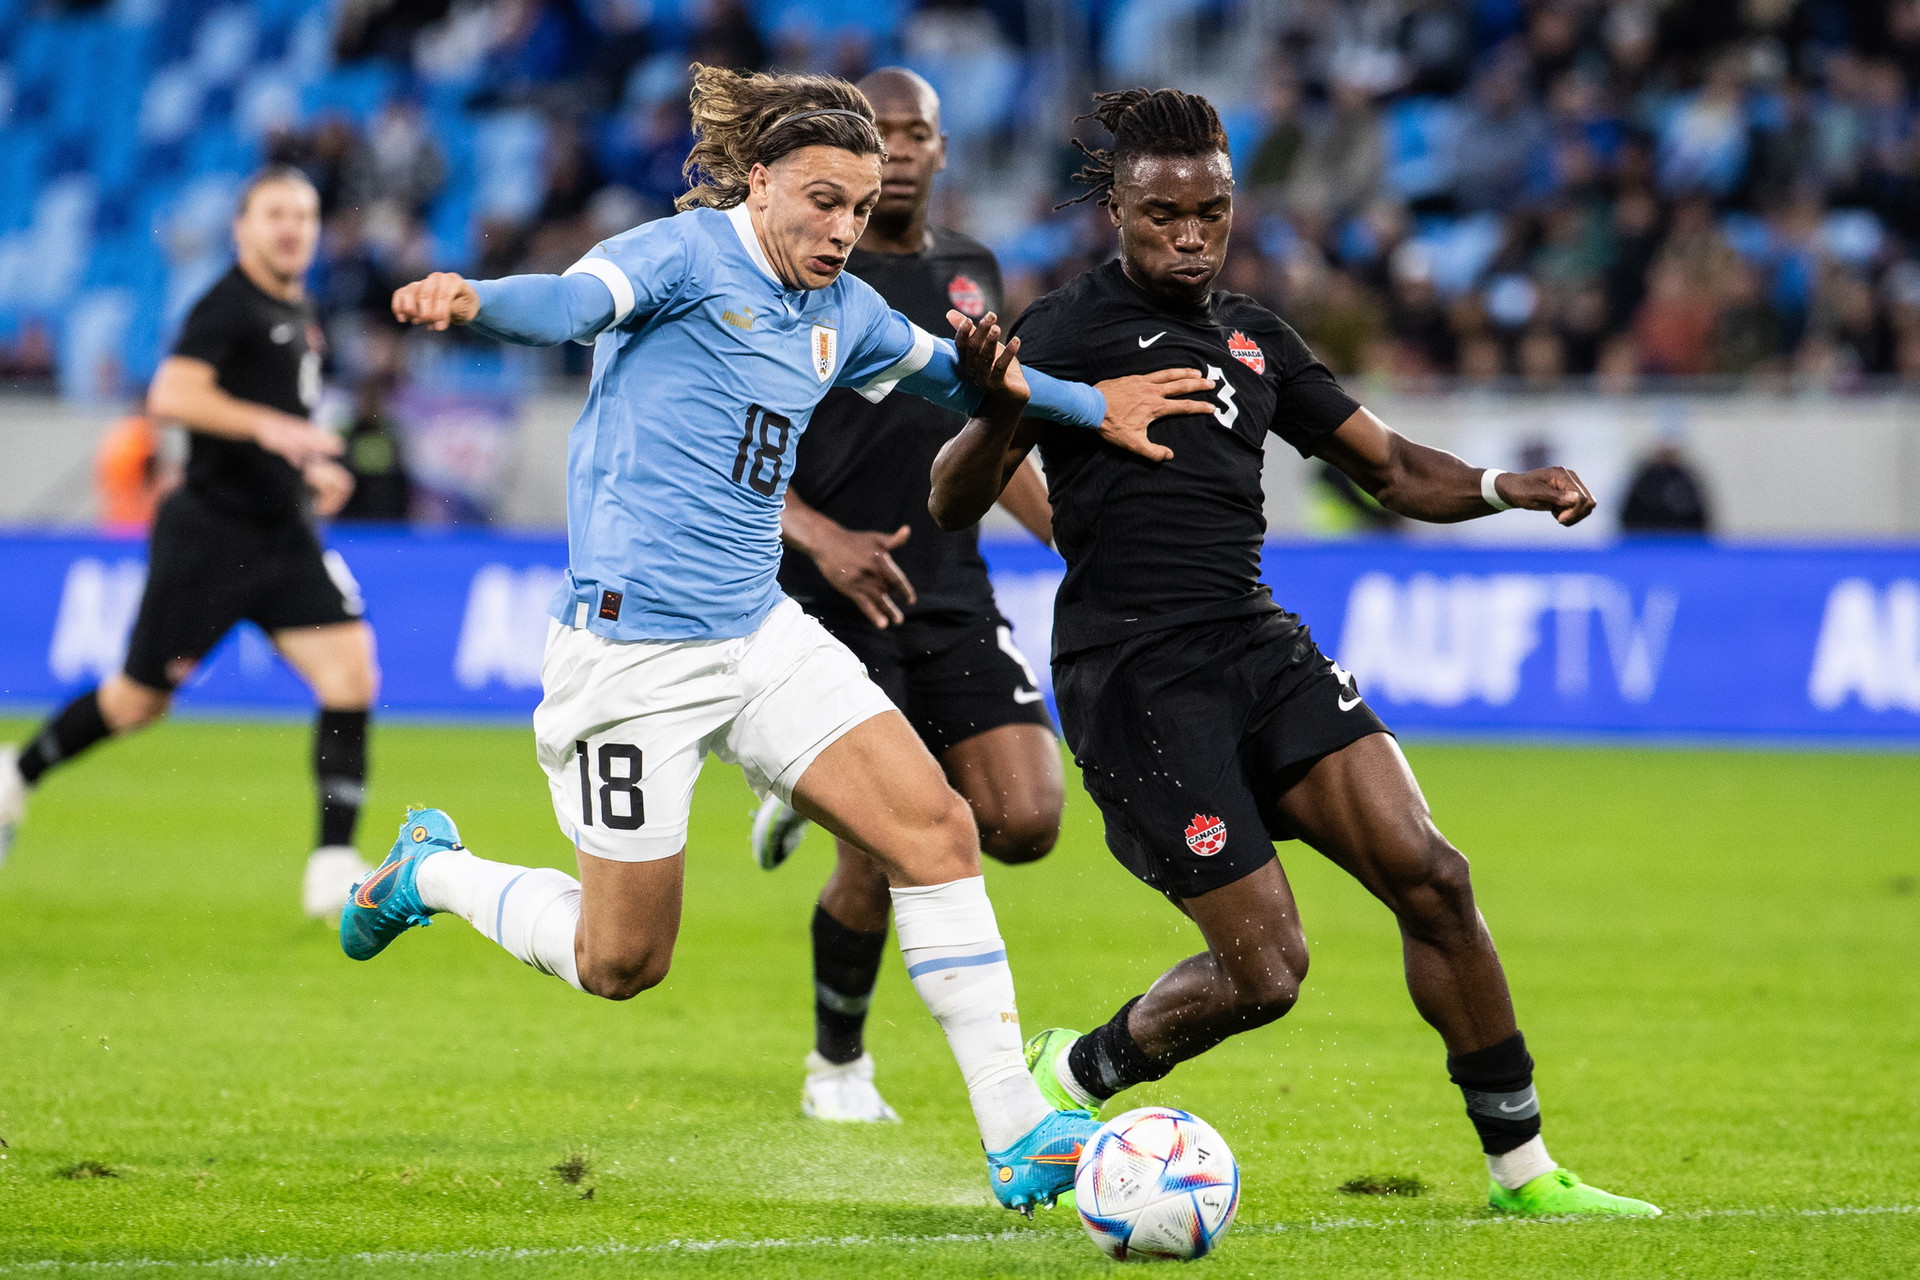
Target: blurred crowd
1627, 190
1481, 190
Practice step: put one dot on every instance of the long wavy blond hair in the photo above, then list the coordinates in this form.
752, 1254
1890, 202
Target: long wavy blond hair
744, 118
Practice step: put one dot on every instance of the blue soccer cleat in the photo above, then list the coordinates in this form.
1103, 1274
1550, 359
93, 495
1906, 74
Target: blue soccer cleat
1037, 1170
387, 903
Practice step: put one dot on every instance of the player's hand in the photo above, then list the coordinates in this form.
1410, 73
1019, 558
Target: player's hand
332, 485
859, 564
1137, 401
296, 439
443, 298
1554, 489
986, 363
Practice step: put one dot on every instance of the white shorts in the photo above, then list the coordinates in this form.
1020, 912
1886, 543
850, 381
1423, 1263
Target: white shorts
624, 727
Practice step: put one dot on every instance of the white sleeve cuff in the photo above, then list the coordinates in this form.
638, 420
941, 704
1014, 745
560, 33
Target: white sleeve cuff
882, 383
617, 284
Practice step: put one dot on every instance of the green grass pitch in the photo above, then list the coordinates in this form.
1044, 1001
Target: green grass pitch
1716, 957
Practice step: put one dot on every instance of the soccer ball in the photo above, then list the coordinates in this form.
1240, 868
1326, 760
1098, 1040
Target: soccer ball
1156, 1183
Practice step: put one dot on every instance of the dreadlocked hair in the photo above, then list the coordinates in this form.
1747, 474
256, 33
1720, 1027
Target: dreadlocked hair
1144, 122
744, 118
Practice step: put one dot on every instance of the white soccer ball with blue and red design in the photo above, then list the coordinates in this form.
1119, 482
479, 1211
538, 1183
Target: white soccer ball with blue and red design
1156, 1183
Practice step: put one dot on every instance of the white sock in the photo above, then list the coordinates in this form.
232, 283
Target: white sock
958, 964
1521, 1165
534, 912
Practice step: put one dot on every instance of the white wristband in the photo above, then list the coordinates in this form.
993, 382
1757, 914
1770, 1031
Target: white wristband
1489, 494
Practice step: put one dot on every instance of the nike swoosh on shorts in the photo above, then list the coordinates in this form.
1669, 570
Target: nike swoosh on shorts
1147, 342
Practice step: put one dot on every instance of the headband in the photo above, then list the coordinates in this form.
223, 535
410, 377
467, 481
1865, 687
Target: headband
815, 111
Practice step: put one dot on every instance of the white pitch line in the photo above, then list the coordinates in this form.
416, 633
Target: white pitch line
1017, 1235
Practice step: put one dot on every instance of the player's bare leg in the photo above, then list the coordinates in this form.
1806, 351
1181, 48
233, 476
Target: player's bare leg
1249, 975
337, 662
1010, 779
880, 789
629, 922
128, 706
1361, 807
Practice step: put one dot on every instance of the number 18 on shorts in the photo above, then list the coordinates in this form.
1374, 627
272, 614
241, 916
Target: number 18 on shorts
615, 801
624, 727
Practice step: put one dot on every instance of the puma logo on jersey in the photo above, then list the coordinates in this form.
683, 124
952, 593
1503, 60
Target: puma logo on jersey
739, 319
1147, 342
1246, 351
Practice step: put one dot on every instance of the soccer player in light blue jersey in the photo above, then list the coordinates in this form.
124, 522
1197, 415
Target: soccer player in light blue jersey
715, 334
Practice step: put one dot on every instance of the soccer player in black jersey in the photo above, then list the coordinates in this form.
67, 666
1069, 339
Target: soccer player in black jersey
237, 540
1206, 722
866, 558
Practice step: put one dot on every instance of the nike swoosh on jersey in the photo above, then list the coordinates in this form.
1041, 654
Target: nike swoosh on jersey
1025, 696
1348, 704
1147, 342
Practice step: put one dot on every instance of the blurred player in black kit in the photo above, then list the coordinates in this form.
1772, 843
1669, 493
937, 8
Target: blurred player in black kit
1206, 722
865, 557
237, 540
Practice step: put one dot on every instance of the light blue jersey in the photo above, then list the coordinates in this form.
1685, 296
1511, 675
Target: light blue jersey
706, 369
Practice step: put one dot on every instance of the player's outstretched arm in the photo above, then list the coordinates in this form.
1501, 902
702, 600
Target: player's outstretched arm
974, 476
972, 469
531, 311
1433, 485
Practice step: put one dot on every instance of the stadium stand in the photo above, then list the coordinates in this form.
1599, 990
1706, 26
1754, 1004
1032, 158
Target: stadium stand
1480, 190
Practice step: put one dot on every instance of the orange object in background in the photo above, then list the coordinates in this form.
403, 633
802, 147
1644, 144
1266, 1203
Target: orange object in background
129, 476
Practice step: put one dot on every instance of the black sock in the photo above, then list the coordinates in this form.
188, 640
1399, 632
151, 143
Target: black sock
1106, 1060
78, 726
340, 765
1501, 1102
846, 964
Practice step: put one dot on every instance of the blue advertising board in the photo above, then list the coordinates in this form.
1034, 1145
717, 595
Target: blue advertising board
1642, 639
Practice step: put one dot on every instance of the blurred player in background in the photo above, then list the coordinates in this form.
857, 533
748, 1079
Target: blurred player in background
237, 541
716, 333
864, 556
1204, 718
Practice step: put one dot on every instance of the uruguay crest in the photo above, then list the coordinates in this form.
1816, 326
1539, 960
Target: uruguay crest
1247, 352
826, 350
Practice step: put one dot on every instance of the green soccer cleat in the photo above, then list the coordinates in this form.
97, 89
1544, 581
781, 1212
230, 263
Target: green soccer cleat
387, 903
1037, 1171
1044, 1050
1561, 1194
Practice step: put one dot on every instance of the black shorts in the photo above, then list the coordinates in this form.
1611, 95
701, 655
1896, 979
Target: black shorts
207, 571
1187, 737
951, 677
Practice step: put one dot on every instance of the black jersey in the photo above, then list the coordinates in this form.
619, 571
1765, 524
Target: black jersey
263, 350
1151, 545
868, 466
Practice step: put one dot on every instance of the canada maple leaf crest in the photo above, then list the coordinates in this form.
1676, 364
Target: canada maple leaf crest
1206, 835
967, 297
1247, 351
